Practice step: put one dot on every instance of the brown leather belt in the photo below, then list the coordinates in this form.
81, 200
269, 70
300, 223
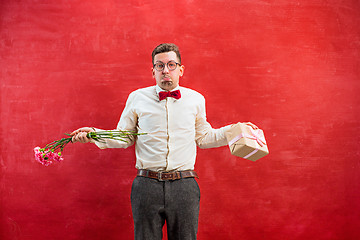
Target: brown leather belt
163, 176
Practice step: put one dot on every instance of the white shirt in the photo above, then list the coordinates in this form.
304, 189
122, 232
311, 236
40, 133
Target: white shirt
174, 128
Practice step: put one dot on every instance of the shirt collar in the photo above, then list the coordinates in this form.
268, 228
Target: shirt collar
159, 89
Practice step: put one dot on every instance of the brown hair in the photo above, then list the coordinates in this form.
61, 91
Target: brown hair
166, 47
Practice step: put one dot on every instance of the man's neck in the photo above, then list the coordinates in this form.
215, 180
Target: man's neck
161, 89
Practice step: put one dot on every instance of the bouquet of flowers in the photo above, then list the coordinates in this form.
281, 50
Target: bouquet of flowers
52, 152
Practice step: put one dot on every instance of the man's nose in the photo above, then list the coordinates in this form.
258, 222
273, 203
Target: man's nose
166, 69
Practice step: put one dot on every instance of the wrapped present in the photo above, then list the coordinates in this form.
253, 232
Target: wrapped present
246, 142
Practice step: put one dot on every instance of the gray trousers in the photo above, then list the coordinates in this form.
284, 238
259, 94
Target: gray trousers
153, 202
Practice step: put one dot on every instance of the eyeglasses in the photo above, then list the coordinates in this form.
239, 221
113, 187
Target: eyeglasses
171, 65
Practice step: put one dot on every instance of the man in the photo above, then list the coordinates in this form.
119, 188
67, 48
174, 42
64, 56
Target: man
174, 119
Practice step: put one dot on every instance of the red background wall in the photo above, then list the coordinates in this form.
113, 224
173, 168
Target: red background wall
291, 67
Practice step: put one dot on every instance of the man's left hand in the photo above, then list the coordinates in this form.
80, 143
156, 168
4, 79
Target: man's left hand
251, 125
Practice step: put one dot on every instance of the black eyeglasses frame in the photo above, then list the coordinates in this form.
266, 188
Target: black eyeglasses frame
167, 64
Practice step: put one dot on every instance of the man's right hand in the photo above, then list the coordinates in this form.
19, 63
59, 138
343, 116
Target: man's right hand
79, 135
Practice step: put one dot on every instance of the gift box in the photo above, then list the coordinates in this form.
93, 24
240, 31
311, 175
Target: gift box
246, 142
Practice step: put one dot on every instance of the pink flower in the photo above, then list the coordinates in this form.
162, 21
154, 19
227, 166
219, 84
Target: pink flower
57, 156
46, 157
40, 156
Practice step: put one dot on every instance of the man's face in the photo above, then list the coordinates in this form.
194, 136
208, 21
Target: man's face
167, 79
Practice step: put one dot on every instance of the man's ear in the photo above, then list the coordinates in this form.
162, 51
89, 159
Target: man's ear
182, 68
153, 72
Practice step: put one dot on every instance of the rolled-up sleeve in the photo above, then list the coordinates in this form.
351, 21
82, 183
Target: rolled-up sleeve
205, 135
128, 122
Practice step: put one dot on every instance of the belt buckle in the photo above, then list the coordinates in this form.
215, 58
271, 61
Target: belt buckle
160, 177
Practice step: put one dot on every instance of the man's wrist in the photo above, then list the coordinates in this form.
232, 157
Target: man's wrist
91, 140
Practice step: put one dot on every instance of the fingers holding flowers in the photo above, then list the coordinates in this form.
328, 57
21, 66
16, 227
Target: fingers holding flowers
80, 135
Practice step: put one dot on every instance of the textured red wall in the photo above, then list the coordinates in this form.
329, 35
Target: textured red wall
291, 67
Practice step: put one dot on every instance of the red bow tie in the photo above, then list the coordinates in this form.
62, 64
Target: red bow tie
175, 94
